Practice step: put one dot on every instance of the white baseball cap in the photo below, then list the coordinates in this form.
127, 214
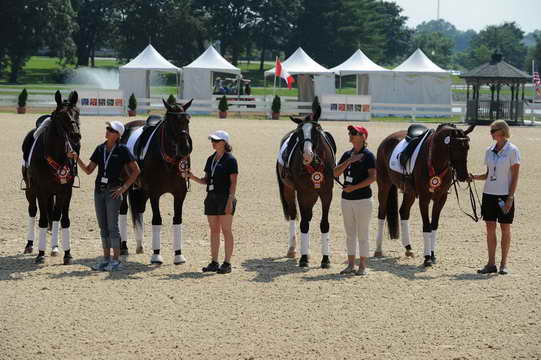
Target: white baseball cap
116, 126
219, 135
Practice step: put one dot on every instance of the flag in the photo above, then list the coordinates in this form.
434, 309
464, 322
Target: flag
279, 71
537, 83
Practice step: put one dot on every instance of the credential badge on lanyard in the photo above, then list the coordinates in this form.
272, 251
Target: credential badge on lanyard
496, 157
213, 166
104, 179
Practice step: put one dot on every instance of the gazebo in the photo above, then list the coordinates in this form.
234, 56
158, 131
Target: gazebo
495, 74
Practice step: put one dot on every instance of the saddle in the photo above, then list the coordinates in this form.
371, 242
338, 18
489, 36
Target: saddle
152, 122
413, 137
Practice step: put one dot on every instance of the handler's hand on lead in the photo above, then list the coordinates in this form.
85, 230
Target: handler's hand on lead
72, 155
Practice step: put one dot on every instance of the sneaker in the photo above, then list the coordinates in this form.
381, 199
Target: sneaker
488, 269
114, 265
361, 272
225, 268
213, 266
503, 270
100, 265
348, 270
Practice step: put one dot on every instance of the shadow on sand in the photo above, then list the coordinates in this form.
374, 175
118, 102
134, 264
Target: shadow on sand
268, 269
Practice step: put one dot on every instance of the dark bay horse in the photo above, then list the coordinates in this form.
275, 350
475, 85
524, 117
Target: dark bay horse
307, 175
51, 173
162, 171
442, 157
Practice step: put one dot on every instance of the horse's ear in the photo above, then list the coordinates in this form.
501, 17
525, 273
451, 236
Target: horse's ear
73, 98
469, 129
187, 105
58, 98
295, 120
317, 113
167, 106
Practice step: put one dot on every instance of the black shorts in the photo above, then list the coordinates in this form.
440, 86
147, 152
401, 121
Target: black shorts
491, 211
215, 203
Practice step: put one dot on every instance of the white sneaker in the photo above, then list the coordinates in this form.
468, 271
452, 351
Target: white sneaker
55, 251
156, 259
179, 259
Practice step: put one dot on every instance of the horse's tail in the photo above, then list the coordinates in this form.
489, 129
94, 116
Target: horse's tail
134, 208
281, 188
392, 212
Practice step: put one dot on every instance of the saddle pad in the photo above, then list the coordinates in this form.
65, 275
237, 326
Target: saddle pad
37, 134
394, 161
283, 148
132, 141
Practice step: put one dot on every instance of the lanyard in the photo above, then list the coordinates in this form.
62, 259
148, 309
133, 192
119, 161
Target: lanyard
213, 165
106, 160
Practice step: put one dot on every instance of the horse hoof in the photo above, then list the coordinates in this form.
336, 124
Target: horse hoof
410, 254
68, 260
179, 259
40, 259
427, 262
28, 250
325, 265
291, 253
303, 262
156, 259
433, 259
378, 254
139, 250
124, 252
55, 251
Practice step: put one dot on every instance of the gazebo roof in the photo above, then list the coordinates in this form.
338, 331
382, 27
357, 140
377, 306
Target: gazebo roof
497, 69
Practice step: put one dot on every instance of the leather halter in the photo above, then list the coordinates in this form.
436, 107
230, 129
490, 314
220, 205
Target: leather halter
182, 164
435, 181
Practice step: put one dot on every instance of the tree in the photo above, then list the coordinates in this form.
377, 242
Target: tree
534, 54
461, 39
436, 46
397, 36
32, 24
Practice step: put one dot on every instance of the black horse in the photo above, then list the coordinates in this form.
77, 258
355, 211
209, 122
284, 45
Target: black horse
163, 165
307, 174
51, 173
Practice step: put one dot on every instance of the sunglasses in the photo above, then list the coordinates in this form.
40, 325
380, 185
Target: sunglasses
353, 132
492, 131
215, 141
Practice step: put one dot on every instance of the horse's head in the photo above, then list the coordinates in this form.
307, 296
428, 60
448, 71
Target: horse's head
66, 116
458, 144
307, 130
177, 122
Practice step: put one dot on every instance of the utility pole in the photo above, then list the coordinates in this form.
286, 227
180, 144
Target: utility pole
438, 10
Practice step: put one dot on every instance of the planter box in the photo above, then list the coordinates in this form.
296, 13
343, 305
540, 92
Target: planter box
21, 110
275, 116
222, 114
131, 113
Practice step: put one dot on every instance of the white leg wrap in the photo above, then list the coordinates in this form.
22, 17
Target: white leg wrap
292, 234
433, 247
156, 237
305, 244
427, 237
123, 227
66, 239
325, 244
54, 234
379, 236
177, 237
42, 239
405, 232
31, 235
139, 231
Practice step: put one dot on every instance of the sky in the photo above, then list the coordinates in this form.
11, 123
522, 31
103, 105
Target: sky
474, 14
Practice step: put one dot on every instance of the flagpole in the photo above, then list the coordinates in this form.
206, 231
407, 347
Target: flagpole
274, 88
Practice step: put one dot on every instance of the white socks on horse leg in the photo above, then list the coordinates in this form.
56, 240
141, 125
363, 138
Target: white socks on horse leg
433, 242
123, 227
66, 239
42, 239
54, 234
379, 236
325, 244
427, 237
292, 234
139, 230
177, 237
31, 235
156, 237
405, 232
305, 243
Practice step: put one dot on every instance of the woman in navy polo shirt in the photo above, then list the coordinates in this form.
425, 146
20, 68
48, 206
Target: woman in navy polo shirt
110, 159
221, 172
359, 168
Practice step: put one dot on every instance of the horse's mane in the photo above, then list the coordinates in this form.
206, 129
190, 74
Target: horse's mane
440, 126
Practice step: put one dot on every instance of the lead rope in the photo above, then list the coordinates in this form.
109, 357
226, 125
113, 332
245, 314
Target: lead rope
472, 196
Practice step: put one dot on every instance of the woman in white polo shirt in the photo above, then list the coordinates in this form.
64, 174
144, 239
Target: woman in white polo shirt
501, 178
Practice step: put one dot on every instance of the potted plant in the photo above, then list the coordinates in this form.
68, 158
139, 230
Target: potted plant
223, 106
23, 96
275, 107
171, 100
132, 105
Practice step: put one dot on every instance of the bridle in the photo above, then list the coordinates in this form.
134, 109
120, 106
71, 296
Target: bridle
181, 165
316, 167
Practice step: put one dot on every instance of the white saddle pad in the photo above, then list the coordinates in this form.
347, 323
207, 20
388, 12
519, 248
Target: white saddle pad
394, 162
37, 133
133, 139
282, 149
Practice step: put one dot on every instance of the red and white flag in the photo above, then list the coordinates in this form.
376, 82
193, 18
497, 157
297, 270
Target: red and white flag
537, 83
279, 71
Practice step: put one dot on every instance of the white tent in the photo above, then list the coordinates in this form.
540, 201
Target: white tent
360, 65
197, 76
416, 81
134, 77
299, 63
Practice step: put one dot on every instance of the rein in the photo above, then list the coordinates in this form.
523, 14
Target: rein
473, 197
63, 173
182, 165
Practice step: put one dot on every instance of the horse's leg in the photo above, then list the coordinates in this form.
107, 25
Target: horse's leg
43, 200
383, 194
436, 211
289, 198
32, 211
156, 228
424, 202
57, 205
65, 222
324, 227
138, 204
405, 208
177, 229
306, 203
123, 225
